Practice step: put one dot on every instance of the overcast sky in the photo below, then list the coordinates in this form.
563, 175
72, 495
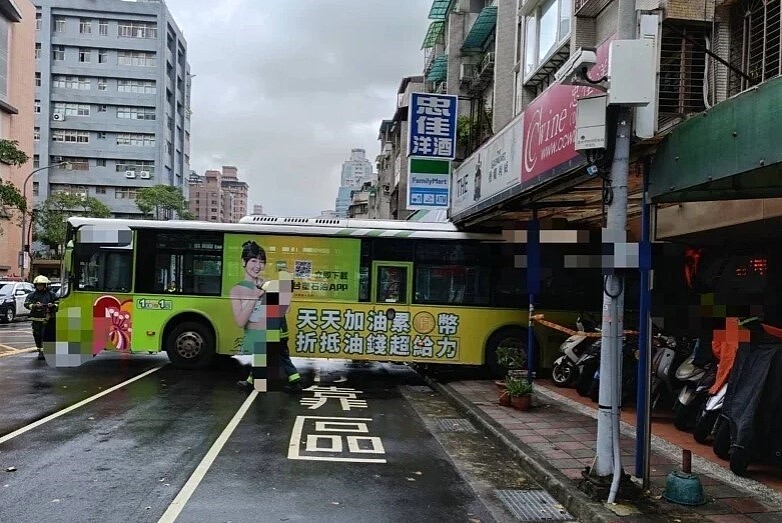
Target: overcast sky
285, 88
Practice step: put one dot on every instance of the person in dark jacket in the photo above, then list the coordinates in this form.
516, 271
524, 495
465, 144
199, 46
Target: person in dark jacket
42, 303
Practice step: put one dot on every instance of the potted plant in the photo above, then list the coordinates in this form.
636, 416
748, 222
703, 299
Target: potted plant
514, 360
520, 391
504, 397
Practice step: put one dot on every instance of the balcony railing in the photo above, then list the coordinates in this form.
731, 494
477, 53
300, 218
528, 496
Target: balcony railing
589, 8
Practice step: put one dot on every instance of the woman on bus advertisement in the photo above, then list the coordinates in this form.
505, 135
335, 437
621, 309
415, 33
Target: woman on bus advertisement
255, 313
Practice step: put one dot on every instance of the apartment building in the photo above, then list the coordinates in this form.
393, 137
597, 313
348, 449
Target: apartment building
17, 39
355, 171
218, 196
112, 98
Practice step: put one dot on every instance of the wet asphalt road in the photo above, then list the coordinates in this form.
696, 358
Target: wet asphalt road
15, 336
128, 454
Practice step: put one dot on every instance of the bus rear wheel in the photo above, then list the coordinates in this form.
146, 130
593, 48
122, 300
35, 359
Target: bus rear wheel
506, 338
190, 345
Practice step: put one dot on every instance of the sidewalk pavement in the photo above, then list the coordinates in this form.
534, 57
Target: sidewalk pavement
555, 441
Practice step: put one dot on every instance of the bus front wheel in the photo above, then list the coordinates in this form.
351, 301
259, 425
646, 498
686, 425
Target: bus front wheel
190, 345
501, 341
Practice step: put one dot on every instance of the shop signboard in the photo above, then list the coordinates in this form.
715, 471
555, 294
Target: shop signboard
428, 184
432, 124
492, 169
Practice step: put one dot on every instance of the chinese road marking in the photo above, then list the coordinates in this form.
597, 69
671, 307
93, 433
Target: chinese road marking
327, 440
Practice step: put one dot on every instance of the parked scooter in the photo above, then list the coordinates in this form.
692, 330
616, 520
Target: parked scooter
707, 421
669, 356
566, 369
588, 365
693, 395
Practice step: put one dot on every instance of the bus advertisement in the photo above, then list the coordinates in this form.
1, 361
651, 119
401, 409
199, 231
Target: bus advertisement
361, 290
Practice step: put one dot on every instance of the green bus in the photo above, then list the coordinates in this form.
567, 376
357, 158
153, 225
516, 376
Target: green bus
362, 290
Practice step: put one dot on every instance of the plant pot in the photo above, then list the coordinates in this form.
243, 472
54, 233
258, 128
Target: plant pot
523, 402
500, 385
505, 399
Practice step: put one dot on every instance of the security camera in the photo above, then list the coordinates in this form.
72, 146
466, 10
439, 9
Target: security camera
577, 65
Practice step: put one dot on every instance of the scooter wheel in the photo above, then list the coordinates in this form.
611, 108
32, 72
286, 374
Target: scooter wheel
684, 415
704, 426
564, 373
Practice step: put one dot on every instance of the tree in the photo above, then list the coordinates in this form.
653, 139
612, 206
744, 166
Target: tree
10, 195
163, 202
57, 208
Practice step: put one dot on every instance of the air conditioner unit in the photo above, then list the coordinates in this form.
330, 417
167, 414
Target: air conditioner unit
130, 174
144, 174
466, 71
58, 117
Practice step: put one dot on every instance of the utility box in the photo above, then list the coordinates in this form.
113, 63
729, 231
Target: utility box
632, 72
591, 123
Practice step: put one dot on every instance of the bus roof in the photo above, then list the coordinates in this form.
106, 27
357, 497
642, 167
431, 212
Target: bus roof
304, 227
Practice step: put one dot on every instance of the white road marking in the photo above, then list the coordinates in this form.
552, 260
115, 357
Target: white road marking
334, 442
18, 351
176, 506
75, 406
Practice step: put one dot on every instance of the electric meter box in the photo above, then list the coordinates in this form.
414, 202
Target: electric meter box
632, 73
591, 123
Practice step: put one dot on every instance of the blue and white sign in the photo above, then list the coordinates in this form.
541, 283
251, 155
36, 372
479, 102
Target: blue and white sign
428, 184
432, 125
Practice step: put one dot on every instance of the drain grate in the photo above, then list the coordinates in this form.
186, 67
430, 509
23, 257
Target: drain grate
533, 505
455, 425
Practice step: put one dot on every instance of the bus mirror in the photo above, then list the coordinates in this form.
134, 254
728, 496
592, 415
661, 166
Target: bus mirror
104, 236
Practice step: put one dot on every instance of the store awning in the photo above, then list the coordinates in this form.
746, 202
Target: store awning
481, 29
439, 69
728, 152
434, 33
439, 9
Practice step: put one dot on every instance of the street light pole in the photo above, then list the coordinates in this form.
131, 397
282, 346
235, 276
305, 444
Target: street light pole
22, 250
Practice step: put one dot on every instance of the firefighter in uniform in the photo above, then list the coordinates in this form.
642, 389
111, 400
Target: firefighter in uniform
42, 303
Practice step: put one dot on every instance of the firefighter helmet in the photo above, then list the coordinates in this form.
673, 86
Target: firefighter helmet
41, 279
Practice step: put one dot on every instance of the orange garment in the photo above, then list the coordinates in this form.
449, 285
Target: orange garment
726, 353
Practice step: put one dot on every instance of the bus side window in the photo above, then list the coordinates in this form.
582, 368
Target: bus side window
365, 271
105, 271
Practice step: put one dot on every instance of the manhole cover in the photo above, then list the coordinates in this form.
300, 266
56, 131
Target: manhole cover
533, 505
455, 425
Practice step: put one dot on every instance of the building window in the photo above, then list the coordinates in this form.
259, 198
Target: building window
59, 25
70, 136
38, 79
125, 193
102, 84
101, 135
36, 161
85, 26
76, 164
102, 108
37, 107
38, 21
135, 165
755, 43
58, 53
71, 82
136, 139
84, 55
35, 188
547, 28
103, 56
37, 50
136, 86
136, 30
37, 134
682, 70
100, 190
67, 109
103, 28
136, 113
100, 162
137, 58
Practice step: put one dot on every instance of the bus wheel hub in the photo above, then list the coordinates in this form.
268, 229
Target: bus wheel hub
189, 344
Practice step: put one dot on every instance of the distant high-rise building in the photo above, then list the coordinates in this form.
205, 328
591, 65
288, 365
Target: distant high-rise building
355, 172
218, 196
258, 209
112, 99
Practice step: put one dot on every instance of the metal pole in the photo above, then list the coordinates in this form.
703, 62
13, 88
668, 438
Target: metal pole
533, 284
608, 460
642, 414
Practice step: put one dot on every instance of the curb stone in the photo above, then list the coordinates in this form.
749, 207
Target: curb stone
557, 484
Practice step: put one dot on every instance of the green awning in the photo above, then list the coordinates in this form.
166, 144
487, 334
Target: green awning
439, 10
439, 69
481, 29
434, 33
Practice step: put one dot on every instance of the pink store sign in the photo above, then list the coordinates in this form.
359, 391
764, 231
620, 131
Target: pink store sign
550, 127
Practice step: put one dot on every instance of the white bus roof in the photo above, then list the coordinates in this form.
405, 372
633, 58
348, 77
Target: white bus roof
304, 226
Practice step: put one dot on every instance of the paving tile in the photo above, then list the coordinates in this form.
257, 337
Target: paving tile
713, 508
572, 473
564, 463
532, 439
561, 438
582, 453
722, 491
570, 445
730, 518
745, 505
767, 517
555, 454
